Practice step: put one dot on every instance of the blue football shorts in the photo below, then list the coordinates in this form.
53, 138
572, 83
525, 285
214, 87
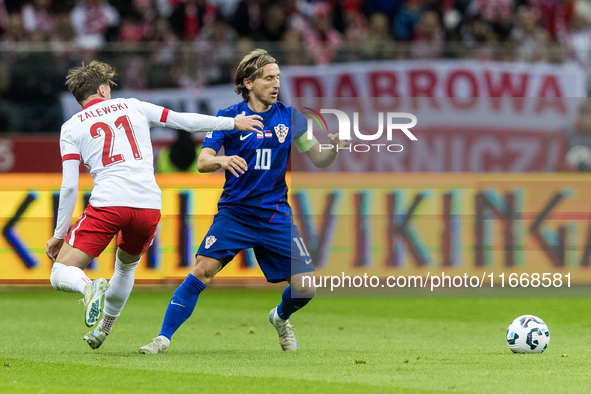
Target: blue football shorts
278, 247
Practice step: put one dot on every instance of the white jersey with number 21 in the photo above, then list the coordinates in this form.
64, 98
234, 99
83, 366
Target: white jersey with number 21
112, 137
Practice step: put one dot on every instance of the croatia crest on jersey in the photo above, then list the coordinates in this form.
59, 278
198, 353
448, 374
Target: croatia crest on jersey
281, 132
209, 241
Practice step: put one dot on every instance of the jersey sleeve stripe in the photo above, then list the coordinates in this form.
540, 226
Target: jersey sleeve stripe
164, 115
71, 156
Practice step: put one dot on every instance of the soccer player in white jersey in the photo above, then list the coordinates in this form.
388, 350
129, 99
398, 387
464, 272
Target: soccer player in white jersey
112, 138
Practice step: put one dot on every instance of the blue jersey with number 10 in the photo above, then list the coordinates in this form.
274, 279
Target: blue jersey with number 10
261, 190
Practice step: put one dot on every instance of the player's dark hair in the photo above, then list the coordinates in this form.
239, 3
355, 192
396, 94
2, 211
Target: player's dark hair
85, 80
251, 68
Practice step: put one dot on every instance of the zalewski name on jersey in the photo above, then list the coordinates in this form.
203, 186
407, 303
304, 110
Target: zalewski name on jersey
100, 111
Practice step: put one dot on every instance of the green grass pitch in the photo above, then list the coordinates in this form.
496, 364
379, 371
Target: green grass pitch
346, 345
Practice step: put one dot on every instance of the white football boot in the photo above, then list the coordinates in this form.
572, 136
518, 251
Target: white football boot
287, 339
96, 337
158, 345
93, 295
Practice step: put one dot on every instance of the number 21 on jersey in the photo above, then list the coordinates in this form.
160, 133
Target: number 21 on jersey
110, 158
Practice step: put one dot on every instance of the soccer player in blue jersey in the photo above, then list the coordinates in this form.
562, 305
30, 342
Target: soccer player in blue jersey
253, 211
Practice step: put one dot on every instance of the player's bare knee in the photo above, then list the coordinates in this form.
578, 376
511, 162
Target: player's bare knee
205, 269
303, 288
303, 284
306, 292
199, 272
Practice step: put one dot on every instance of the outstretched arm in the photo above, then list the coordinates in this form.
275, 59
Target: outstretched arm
199, 122
160, 116
324, 155
209, 162
67, 202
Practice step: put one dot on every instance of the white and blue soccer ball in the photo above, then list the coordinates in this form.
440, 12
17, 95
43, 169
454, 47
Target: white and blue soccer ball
528, 334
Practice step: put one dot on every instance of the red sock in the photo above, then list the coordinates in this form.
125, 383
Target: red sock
107, 322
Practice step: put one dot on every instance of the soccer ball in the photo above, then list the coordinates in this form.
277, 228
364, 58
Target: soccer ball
528, 334
578, 155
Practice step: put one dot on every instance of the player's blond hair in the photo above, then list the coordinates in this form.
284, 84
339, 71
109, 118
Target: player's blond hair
85, 80
251, 68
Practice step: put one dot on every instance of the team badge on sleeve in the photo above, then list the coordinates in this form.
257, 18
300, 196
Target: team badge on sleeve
281, 131
209, 241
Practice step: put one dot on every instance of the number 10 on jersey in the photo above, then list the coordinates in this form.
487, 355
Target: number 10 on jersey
263, 159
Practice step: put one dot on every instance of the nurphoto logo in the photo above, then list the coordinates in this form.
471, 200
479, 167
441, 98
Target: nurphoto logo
392, 124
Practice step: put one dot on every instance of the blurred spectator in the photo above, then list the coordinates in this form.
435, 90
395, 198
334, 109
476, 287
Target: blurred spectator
407, 19
451, 24
148, 15
578, 37
243, 46
226, 8
15, 30
130, 29
352, 47
14, 35
321, 38
498, 13
248, 18
555, 15
477, 37
377, 43
37, 15
10, 117
3, 17
37, 92
189, 17
165, 7
530, 37
297, 19
353, 18
274, 24
163, 71
491, 10
215, 46
386, 7
354, 32
134, 75
294, 52
163, 33
62, 37
577, 156
428, 41
94, 22
63, 30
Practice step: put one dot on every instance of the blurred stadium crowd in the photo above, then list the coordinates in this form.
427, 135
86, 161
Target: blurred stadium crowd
194, 43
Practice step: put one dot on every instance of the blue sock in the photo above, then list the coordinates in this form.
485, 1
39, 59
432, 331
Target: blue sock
181, 305
290, 304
